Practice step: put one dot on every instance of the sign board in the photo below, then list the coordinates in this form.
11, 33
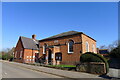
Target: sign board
55, 41
56, 49
36, 52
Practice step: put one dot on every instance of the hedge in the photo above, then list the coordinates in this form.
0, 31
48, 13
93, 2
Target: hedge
92, 57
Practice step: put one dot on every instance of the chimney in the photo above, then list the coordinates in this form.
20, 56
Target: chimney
34, 36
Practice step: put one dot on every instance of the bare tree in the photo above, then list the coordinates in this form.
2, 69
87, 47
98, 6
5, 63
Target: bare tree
103, 47
113, 45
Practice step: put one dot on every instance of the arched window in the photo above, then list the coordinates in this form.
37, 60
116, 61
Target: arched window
87, 47
93, 48
70, 46
44, 48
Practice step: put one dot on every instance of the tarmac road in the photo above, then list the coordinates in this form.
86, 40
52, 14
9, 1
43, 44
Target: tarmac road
13, 71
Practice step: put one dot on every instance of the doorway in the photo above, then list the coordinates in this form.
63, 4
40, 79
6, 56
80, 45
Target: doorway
49, 56
36, 57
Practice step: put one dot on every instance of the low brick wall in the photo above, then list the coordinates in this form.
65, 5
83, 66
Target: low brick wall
93, 67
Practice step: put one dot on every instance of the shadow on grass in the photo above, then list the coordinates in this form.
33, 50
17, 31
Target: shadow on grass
71, 68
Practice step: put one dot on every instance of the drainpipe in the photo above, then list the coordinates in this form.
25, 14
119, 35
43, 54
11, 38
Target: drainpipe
32, 56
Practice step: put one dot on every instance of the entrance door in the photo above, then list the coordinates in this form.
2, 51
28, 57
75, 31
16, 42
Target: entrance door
36, 57
49, 56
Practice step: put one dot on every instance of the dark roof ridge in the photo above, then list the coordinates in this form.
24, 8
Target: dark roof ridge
63, 34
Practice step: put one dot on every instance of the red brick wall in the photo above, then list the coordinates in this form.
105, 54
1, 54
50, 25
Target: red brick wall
29, 55
66, 57
17, 51
25, 53
90, 41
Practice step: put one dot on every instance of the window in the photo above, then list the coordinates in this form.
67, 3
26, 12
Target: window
70, 46
27, 59
87, 47
20, 54
33, 59
27, 56
44, 48
33, 56
16, 54
93, 48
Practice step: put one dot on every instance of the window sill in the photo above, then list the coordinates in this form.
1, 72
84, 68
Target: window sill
70, 52
44, 53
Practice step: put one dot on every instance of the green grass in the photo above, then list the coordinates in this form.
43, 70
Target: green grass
63, 66
0, 55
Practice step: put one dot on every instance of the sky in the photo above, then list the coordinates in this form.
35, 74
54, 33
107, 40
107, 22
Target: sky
99, 20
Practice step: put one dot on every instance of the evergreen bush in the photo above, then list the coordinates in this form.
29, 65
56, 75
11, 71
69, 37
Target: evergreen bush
92, 57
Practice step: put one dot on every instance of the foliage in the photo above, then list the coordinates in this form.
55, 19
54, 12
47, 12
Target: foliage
115, 53
7, 53
92, 57
7, 56
89, 57
111, 46
0, 55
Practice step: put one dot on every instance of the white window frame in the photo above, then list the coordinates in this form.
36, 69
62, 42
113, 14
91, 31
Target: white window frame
87, 46
33, 59
69, 49
26, 59
27, 56
44, 49
33, 56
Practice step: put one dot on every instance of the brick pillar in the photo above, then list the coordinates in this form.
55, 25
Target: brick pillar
46, 57
54, 61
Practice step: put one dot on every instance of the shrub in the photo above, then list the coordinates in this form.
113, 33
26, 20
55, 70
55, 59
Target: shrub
6, 56
92, 57
0, 56
115, 53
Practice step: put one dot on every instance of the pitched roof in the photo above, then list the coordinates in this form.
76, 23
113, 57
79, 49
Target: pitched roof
29, 43
103, 51
62, 35
65, 34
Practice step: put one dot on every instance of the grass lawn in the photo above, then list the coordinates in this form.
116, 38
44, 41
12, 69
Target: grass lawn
64, 66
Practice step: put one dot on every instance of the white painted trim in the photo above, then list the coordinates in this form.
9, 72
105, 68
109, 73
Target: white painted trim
27, 56
68, 49
44, 49
87, 44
